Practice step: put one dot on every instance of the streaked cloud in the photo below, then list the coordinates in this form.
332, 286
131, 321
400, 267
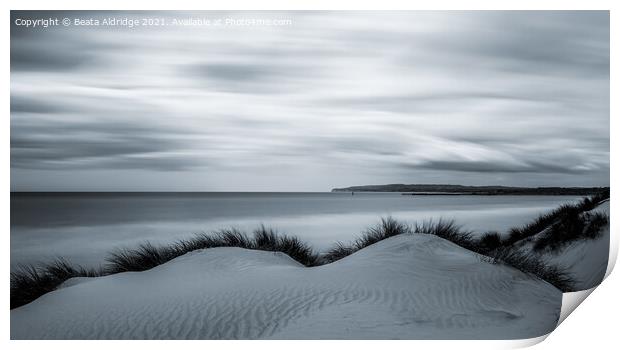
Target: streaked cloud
335, 99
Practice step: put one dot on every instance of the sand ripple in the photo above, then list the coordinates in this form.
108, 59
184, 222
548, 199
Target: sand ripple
405, 287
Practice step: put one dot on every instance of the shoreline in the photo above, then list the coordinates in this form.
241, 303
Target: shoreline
317, 295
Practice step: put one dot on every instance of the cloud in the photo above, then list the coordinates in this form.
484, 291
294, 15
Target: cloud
241, 77
90, 144
29, 104
355, 97
236, 72
47, 55
499, 167
561, 43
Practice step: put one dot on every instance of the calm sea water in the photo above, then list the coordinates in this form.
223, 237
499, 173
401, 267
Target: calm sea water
83, 227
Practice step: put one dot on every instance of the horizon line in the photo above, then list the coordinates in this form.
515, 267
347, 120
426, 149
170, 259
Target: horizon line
291, 191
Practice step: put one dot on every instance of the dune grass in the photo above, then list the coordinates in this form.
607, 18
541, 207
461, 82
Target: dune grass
565, 212
490, 245
388, 227
490, 241
535, 265
147, 256
29, 282
448, 229
564, 224
591, 202
575, 227
549, 232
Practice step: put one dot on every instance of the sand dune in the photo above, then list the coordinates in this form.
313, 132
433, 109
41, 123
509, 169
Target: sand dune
585, 260
417, 286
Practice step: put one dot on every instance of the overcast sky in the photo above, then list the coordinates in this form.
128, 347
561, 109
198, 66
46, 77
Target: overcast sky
331, 100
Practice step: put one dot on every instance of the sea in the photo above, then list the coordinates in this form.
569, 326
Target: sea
85, 227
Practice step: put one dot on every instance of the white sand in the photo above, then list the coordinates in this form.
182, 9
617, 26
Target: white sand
585, 260
416, 286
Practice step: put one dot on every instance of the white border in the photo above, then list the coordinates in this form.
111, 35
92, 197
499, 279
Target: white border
595, 322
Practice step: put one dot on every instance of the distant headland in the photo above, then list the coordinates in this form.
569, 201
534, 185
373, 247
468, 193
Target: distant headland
438, 189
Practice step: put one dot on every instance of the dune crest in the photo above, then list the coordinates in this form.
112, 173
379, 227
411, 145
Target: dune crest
409, 286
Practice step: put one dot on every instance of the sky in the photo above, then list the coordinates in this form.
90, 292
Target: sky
321, 100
